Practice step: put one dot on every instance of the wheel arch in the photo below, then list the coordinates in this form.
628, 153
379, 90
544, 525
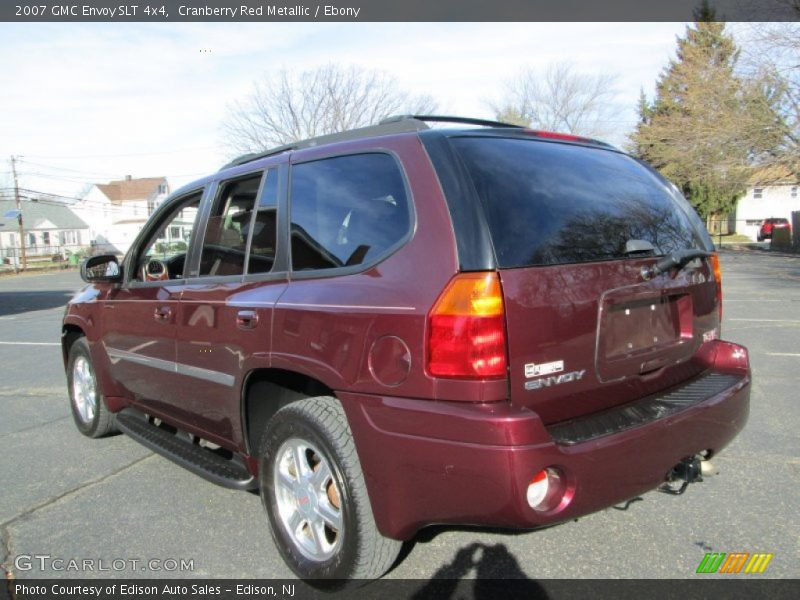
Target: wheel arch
69, 333
265, 391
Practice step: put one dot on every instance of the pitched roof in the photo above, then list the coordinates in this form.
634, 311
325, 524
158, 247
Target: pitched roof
131, 189
36, 215
774, 175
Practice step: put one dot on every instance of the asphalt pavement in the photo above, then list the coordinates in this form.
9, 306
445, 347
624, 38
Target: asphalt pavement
65, 496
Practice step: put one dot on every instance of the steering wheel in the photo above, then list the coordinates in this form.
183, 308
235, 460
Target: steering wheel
155, 270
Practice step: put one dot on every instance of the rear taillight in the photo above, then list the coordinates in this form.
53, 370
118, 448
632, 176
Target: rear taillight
466, 329
718, 279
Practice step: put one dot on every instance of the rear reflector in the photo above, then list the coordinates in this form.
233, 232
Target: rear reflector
466, 329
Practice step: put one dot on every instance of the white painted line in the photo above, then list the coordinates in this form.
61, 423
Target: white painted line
29, 344
783, 354
726, 300
766, 320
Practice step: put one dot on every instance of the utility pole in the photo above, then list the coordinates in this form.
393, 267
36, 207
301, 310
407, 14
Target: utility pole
23, 257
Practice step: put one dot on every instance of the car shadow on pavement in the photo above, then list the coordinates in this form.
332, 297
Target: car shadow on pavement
12, 303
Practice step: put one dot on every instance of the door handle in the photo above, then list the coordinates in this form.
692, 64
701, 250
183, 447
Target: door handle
163, 314
246, 319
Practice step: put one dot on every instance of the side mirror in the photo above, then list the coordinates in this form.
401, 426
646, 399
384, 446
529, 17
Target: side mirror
102, 268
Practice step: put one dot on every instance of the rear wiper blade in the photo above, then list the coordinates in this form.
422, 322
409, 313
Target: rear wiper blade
679, 259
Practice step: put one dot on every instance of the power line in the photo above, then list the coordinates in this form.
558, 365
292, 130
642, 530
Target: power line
176, 151
92, 175
80, 171
79, 204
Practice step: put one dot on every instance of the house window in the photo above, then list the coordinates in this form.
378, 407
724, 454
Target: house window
46, 238
175, 232
151, 206
162, 188
793, 192
31, 239
758, 192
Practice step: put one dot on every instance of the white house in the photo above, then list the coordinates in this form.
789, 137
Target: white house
51, 229
116, 211
772, 193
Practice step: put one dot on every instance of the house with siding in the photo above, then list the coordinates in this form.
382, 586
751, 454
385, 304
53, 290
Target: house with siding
51, 230
773, 192
116, 211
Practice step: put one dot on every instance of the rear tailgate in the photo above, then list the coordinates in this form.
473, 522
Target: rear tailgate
582, 338
572, 227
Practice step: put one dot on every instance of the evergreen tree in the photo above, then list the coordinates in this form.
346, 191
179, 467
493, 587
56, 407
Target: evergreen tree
706, 128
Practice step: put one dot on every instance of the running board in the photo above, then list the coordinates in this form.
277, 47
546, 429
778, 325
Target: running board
198, 460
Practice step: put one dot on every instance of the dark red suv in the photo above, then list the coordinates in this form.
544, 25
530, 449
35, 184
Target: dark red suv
402, 325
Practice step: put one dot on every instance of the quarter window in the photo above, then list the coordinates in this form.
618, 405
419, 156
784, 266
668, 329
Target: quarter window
347, 210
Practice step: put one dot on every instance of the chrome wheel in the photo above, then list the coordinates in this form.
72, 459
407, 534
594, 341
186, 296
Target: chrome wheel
308, 499
84, 389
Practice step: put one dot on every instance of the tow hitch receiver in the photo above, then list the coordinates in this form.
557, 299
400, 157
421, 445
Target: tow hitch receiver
689, 470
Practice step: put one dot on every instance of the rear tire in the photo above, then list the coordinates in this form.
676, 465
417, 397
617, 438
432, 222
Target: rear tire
313, 490
89, 411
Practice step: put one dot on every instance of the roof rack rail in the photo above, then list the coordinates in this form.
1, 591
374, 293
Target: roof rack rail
389, 125
386, 127
448, 119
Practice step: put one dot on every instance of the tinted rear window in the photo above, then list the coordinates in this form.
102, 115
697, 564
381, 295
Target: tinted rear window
550, 203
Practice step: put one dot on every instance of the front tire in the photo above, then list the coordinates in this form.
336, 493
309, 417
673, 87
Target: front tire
314, 493
89, 411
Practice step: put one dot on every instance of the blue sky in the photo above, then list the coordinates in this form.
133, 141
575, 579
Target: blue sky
92, 102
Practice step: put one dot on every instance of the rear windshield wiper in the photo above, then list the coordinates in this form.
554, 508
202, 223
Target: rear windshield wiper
679, 258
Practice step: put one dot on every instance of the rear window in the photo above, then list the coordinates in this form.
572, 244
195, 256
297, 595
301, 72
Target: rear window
551, 203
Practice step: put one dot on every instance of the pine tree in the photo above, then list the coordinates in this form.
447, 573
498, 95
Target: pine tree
706, 127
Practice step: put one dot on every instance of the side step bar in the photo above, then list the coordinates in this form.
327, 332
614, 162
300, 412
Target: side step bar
198, 460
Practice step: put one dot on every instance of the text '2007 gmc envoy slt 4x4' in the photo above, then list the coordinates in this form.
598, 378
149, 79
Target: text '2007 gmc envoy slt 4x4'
403, 325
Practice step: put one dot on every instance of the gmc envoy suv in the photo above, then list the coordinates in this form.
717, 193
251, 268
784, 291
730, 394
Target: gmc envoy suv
404, 325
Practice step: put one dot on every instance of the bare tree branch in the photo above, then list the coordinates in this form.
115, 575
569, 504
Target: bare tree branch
285, 107
561, 99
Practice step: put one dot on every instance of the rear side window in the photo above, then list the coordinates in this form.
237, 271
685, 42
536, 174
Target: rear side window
347, 210
551, 203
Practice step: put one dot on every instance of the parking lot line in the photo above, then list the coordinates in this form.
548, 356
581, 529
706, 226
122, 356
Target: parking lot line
767, 320
783, 354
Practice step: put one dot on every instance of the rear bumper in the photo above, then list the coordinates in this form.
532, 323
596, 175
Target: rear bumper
436, 462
